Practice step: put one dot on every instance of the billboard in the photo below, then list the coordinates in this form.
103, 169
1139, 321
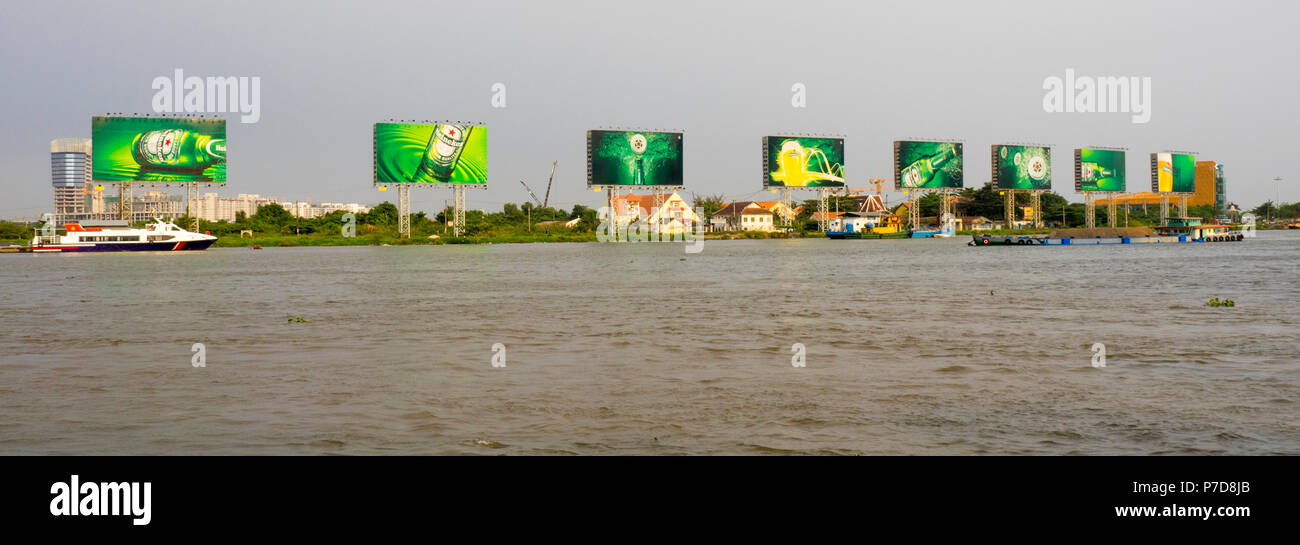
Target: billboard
634, 158
1098, 170
158, 149
1022, 167
798, 161
424, 153
1173, 172
927, 164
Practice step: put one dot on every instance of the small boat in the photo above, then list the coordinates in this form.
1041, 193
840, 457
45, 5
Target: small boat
117, 236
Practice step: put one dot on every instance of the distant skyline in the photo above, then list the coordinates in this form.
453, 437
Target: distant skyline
1222, 84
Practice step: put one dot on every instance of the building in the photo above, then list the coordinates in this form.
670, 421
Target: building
213, 207
743, 216
75, 196
671, 216
782, 210
150, 204
1210, 190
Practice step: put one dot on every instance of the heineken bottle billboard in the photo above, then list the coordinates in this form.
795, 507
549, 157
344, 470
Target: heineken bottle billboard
1022, 167
1173, 172
634, 158
791, 161
425, 153
1098, 170
158, 149
927, 164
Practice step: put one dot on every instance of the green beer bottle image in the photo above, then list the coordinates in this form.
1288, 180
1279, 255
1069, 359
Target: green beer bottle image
921, 171
638, 143
177, 150
1093, 172
442, 154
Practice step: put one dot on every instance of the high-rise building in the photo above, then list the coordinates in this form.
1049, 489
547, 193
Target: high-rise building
74, 195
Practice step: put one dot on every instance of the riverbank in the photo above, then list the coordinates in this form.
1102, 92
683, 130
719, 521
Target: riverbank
317, 239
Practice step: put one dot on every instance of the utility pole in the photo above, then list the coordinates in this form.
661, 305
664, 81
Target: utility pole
1277, 197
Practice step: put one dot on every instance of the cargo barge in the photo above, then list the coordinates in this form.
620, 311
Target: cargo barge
1179, 231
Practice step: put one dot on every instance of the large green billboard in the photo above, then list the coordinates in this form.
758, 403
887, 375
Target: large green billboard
158, 149
1022, 167
634, 158
795, 161
1173, 172
426, 153
927, 164
1098, 170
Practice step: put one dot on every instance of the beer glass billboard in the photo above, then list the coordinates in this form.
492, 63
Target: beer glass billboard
927, 164
790, 161
634, 158
1173, 172
1022, 167
1098, 170
424, 153
158, 149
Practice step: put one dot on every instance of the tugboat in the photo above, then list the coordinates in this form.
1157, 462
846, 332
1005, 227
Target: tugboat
872, 221
117, 236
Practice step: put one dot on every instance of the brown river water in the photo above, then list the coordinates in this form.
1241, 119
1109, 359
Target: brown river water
911, 347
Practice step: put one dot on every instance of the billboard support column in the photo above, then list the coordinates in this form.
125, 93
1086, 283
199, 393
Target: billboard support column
1036, 202
458, 196
124, 201
914, 209
787, 197
1111, 211
1182, 205
192, 204
658, 205
404, 210
946, 204
823, 207
1164, 210
1009, 208
1089, 211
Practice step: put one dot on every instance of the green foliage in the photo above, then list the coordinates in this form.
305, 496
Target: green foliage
14, 231
708, 203
384, 213
1215, 302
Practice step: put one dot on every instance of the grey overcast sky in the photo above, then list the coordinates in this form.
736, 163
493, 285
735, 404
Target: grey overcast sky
1224, 82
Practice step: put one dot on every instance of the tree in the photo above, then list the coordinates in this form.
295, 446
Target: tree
272, 215
983, 202
383, 214
708, 203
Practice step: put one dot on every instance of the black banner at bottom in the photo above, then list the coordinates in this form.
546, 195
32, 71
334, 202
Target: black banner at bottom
188, 496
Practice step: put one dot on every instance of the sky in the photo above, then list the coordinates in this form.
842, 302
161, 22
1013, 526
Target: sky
1224, 80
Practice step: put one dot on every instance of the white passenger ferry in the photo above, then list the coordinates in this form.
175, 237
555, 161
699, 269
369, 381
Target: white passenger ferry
117, 236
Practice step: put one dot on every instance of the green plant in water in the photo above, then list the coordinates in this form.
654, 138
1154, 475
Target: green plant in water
1215, 302
297, 320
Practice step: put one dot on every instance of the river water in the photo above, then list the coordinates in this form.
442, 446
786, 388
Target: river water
910, 347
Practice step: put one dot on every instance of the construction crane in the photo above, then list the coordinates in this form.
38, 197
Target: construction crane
531, 194
547, 200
